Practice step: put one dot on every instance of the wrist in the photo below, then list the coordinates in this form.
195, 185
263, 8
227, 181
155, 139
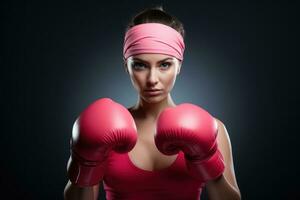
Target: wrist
84, 175
209, 169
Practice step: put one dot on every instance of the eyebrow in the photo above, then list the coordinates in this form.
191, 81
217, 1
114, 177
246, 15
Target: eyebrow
148, 62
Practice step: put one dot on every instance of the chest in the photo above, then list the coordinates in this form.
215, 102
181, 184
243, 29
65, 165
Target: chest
145, 154
123, 180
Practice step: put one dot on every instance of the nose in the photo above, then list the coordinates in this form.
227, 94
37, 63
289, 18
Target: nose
152, 78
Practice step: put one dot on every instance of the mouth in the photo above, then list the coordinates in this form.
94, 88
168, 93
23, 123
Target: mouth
153, 92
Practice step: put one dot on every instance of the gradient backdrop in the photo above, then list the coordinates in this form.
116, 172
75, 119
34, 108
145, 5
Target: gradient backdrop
240, 65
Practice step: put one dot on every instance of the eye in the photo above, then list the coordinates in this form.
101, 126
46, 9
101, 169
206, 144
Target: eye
137, 65
166, 65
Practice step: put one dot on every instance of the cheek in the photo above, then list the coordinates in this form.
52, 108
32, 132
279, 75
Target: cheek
170, 85
137, 81
169, 81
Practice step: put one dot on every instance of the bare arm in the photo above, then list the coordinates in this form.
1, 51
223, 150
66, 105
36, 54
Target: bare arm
225, 187
73, 192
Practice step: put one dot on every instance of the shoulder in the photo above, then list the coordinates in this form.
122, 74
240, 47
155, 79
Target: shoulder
223, 140
219, 122
222, 130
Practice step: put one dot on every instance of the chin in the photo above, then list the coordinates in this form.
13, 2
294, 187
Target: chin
154, 99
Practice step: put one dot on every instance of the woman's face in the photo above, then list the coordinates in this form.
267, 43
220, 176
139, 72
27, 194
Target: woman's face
153, 72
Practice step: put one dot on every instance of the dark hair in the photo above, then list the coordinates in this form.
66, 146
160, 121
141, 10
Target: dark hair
156, 15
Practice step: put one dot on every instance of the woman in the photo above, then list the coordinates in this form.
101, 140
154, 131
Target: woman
153, 166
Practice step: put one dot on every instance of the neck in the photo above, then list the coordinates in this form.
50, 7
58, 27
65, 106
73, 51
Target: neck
151, 111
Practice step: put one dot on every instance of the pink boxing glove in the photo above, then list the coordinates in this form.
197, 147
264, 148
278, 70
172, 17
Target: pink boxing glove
192, 130
103, 126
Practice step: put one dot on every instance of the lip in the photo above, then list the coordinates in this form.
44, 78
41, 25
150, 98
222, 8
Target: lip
154, 92
151, 90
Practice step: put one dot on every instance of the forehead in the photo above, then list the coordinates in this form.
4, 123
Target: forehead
151, 57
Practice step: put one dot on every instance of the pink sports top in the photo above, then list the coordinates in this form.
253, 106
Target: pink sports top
125, 181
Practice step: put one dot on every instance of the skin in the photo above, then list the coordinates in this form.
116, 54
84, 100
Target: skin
148, 71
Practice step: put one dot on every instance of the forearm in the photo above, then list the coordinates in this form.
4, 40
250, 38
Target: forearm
221, 189
73, 192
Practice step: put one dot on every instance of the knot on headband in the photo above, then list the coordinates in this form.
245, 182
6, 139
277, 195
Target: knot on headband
153, 38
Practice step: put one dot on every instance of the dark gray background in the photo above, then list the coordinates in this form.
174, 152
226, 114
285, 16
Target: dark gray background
240, 65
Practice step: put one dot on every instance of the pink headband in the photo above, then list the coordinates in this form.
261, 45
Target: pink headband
153, 38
